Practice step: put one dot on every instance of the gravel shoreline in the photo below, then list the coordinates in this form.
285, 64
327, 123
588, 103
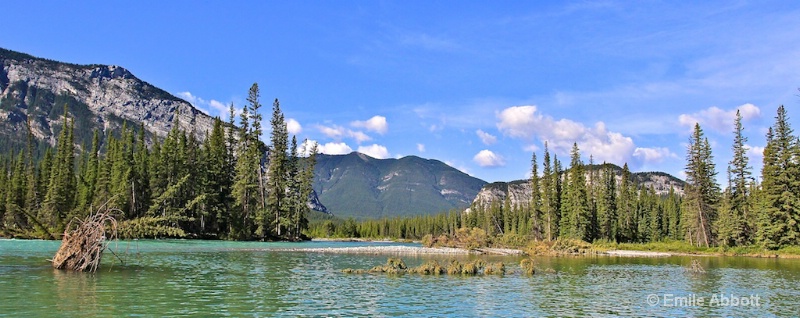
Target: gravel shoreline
389, 250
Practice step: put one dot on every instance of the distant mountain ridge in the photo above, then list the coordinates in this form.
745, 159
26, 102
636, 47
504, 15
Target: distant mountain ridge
99, 97
519, 191
359, 186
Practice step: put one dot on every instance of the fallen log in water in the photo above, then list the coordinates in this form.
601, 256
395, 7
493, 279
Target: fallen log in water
84, 242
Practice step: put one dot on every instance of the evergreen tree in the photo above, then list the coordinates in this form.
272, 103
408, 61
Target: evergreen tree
626, 208
607, 204
735, 222
306, 188
536, 217
218, 180
575, 216
61, 188
15, 218
702, 191
277, 171
141, 184
779, 221
245, 187
88, 176
549, 198
671, 207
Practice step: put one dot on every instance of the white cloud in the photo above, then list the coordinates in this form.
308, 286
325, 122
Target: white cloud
293, 126
335, 148
486, 138
421, 147
653, 155
334, 132
487, 158
755, 151
210, 107
358, 136
187, 96
376, 124
375, 151
524, 122
306, 145
718, 119
221, 108
339, 132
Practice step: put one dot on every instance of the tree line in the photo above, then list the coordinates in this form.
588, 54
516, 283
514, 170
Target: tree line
597, 203
230, 185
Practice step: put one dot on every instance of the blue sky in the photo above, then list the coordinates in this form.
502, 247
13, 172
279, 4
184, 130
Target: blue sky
478, 85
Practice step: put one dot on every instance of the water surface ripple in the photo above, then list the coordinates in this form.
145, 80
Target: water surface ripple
212, 278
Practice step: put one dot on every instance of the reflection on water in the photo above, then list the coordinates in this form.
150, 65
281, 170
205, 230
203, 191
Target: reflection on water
166, 278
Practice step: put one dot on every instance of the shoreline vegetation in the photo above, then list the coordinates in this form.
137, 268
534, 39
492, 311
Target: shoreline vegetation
561, 247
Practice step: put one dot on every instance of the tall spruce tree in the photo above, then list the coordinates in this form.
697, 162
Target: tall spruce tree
575, 222
549, 206
702, 191
736, 223
607, 204
779, 221
306, 188
277, 171
245, 188
535, 206
61, 188
626, 208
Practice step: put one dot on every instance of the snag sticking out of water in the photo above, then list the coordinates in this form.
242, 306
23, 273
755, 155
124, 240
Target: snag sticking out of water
84, 242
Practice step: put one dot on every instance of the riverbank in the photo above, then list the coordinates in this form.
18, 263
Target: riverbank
576, 247
407, 250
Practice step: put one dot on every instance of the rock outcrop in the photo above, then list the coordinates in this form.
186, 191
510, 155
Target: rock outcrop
98, 96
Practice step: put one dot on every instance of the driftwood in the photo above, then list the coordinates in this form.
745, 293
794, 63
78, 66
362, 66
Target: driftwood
84, 242
696, 267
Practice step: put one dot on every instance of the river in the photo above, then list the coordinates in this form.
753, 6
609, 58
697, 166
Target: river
217, 278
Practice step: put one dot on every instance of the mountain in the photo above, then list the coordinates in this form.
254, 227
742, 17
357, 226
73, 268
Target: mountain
359, 186
519, 191
99, 97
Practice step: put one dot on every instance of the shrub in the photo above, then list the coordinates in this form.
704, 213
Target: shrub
428, 240
495, 269
528, 266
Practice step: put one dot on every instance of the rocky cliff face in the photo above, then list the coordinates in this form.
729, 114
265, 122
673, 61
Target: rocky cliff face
519, 191
103, 96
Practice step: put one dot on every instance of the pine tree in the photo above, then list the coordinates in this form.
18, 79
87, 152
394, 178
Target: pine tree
779, 221
15, 218
61, 188
536, 218
218, 180
671, 206
306, 189
575, 222
277, 170
88, 175
141, 184
549, 197
626, 208
607, 204
702, 191
735, 224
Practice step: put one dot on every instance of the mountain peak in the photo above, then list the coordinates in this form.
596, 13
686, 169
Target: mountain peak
101, 97
357, 185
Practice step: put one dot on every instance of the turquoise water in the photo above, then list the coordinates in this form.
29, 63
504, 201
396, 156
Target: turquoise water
212, 278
